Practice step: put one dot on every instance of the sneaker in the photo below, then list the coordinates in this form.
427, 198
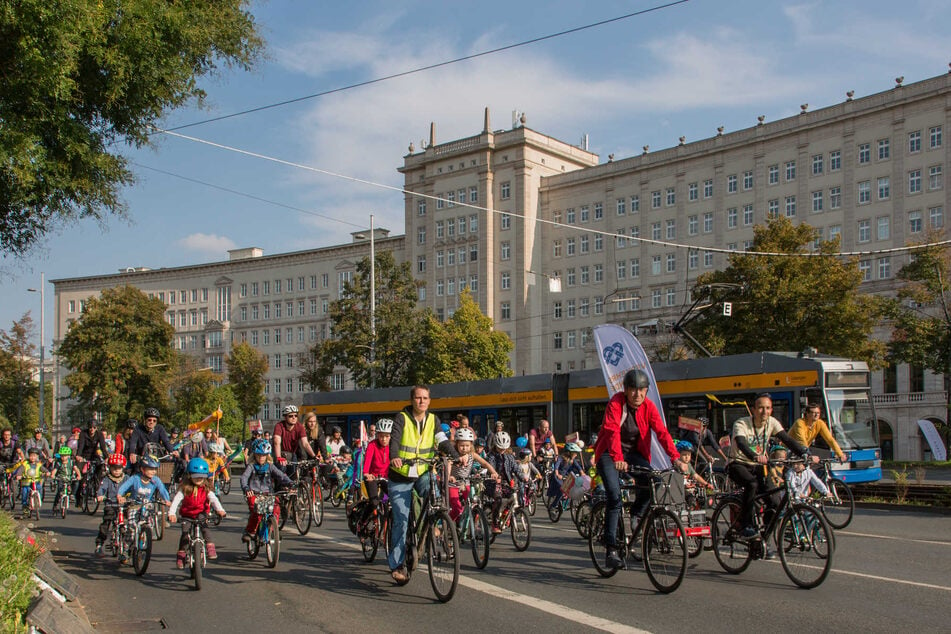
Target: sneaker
98, 550
246, 537
748, 532
399, 576
612, 560
496, 529
212, 551
768, 554
180, 560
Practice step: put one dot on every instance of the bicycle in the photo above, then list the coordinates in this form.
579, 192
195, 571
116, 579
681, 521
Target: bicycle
295, 501
659, 534
473, 525
196, 553
513, 516
839, 506
117, 539
376, 528
558, 504
267, 534
89, 486
62, 496
35, 502
433, 531
803, 537
138, 535
315, 493
7, 490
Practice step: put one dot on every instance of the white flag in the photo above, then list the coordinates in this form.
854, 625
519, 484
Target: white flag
620, 351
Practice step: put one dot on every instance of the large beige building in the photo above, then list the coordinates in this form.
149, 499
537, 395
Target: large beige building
552, 242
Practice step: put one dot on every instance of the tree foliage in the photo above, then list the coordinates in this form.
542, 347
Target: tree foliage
790, 302
119, 354
82, 78
246, 370
19, 394
921, 323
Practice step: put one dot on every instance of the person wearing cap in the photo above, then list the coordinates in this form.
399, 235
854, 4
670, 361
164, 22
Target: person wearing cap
625, 439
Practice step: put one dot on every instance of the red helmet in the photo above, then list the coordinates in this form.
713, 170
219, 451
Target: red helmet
116, 460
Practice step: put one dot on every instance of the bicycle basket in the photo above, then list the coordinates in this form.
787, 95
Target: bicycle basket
264, 504
670, 491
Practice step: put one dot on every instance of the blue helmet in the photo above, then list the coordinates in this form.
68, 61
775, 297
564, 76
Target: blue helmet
521, 442
684, 445
445, 428
197, 466
150, 461
261, 447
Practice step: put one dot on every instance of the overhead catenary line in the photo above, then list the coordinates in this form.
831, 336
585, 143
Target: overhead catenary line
421, 69
634, 239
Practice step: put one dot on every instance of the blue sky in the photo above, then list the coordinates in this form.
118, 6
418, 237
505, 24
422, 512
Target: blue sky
683, 70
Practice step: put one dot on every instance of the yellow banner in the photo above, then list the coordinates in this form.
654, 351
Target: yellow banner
207, 421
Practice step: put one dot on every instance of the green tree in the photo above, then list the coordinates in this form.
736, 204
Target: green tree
246, 370
18, 392
81, 79
790, 302
119, 353
465, 348
192, 392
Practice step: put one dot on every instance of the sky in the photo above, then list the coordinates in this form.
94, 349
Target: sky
677, 71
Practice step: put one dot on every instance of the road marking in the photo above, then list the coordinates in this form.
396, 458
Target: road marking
552, 609
917, 584
899, 539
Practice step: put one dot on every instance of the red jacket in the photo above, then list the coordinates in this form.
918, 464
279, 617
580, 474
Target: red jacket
647, 418
195, 504
376, 460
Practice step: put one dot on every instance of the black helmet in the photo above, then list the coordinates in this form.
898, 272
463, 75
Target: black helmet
151, 412
131, 423
636, 378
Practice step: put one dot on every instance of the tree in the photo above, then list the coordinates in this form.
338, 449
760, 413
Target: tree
18, 392
192, 392
465, 348
790, 302
119, 354
246, 370
80, 79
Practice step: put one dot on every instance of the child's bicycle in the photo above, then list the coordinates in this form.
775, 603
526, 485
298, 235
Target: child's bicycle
267, 534
196, 552
473, 525
35, 502
513, 516
375, 530
62, 496
138, 535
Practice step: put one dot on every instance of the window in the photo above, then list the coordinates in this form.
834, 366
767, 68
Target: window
244, 315
817, 164
884, 188
598, 243
451, 199
671, 263
277, 362
834, 231
584, 242
790, 170
635, 204
884, 268
505, 250
635, 268
598, 273
570, 309
621, 206
884, 149
708, 188
865, 268
72, 306
914, 182
440, 288
655, 231
914, 141
935, 180
505, 191
708, 222
265, 337
817, 201
570, 246
505, 221
421, 207
570, 277
934, 136
835, 160
421, 235
461, 225
772, 208
598, 305
671, 297
747, 215
473, 194
621, 269
731, 218
254, 337
584, 214
655, 298
223, 304
773, 174
313, 306
747, 180
505, 310
655, 200
570, 215
584, 307
936, 217
506, 281
914, 221
556, 341
421, 264
440, 202
473, 252
732, 184
865, 230
671, 197
556, 310
277, 310
693, 260
556, 249
473, 223
242, 292
865, 192
671, 229
450, 257
883, 227
693, 192
790, 206
440, 259
324, 280
865, 153
585, 274
598, 211
835, 197
451, 286
693, 225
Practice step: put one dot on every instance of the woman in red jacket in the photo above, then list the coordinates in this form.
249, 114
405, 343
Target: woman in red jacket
625, 439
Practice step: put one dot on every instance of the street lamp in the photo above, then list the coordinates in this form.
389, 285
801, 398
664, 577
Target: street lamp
372, 302
42, 347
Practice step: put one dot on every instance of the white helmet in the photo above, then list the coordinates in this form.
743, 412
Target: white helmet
384, 426
464, 433
503, 440
214, 447
289, 409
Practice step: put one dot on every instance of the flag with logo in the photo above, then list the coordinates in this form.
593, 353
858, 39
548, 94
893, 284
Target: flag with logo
620, 351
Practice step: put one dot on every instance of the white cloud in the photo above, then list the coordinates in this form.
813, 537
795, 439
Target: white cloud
209, 244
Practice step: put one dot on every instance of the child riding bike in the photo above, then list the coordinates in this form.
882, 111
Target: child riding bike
193, 500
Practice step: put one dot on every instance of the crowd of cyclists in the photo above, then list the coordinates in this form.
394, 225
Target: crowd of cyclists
394, 461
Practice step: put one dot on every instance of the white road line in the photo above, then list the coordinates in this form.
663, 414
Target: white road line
917, 584
552, 609
899, 539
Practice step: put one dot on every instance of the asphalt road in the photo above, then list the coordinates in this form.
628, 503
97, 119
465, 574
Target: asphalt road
891, 571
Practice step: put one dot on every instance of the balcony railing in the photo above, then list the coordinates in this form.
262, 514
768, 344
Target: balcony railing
911, 398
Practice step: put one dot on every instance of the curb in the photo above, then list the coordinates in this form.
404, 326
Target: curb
907, 508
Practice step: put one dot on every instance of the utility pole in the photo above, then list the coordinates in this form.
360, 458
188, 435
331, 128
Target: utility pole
42, 292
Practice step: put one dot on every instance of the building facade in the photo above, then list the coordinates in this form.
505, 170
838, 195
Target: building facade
552, 242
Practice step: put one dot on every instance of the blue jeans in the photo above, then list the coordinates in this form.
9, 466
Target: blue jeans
401, 501
25, 494
612, 489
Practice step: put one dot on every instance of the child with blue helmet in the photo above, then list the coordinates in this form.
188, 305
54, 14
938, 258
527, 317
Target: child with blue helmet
260, 477
193, 500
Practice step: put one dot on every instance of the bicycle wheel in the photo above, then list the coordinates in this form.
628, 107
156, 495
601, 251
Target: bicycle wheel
805, 546
582, 518
90, 504
733, 556
479, 531
302, 517
287, 507
369, 538
665, 550
142, 552
335, 496
521, 529
226, 486
441, 555
317, 504
197, 552
838, 512
272, 547
530, 503
573, 511
64, 505
35, 503
253, 546
596, 539
159, 525
554, 509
